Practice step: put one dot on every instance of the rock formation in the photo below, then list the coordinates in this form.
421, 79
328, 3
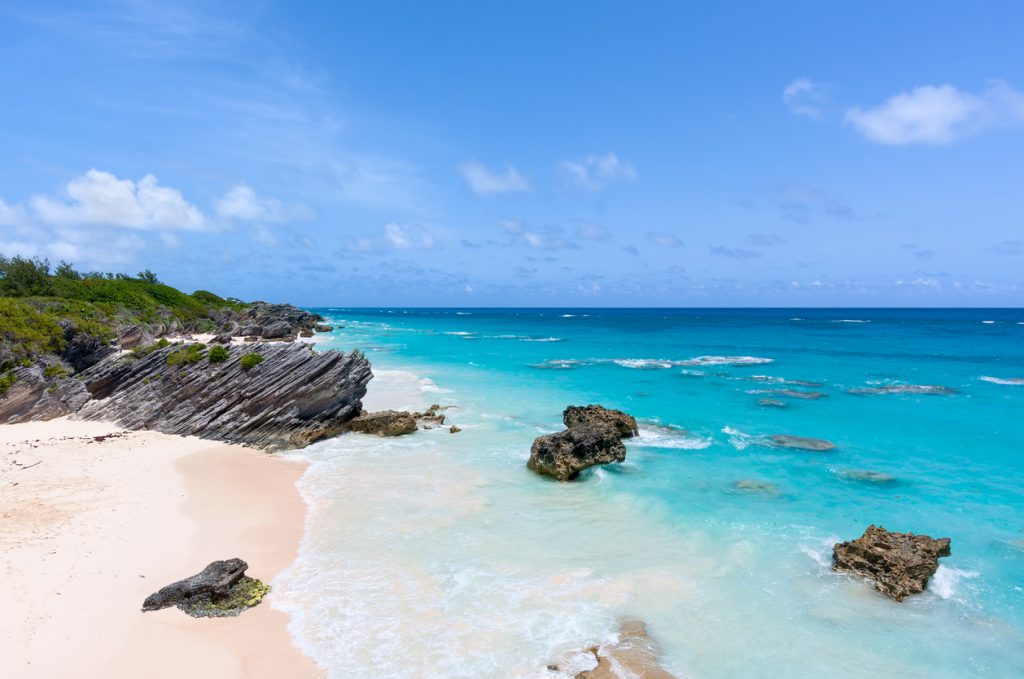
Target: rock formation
899, 563
383, 423
880, 478
594, 436
292, 397
757, 487
221, 589
36, 396
574, 416
801, 442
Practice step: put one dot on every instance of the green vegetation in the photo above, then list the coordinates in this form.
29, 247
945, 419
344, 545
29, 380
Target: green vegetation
191, 353
35, 300
251, 360
140, 352
218, 353
55, 370
7, 381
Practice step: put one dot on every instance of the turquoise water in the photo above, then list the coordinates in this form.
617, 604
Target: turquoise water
442, 555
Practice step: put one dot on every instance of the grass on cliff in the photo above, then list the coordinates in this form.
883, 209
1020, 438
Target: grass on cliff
34, 299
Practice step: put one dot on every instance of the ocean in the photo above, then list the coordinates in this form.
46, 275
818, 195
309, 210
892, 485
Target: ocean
442, 555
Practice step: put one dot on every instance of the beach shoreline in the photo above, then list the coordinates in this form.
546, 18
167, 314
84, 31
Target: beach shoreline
97, 517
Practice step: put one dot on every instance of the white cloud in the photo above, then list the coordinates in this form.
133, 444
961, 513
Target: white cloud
394, 236
938, 114
805, 98
485, 182
242, 203
665, 240
595, 171
590, 231
99, 197
11, 215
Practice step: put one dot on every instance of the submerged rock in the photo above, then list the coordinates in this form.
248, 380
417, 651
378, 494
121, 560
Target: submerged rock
565, 454
796, 393
757, 487
598, 415
221, 589
771, 403
454, 430
632, 654
288, 399
432, 416
869, 476
801, 442
899, 563
903, 389
383, 423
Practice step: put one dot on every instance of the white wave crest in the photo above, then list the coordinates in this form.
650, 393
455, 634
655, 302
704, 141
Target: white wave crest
727, 360
643, 363
668, 437
459, 333
1016, 381
946, 579
822, 552
738, 439
543, 339
849, 320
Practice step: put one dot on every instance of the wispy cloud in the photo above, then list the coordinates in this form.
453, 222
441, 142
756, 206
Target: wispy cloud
918, 251
593, 172
485, 182
242, 203
733, 253
591, 231
801, 203
394, 236
804, 97
938, 114
763, 239
664, 239
1008, 247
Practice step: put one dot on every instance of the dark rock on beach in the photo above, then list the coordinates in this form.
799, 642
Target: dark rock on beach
574, 416
801, 442
219, 590
35, 396
900, 564
293, 397
383, 423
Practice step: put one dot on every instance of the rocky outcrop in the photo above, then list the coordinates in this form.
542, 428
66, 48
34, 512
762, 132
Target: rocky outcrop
81, 349
632, 654
595, 415
801, 443
383, 423
35, 395
899, 563
219, 590
294, 396
594, 436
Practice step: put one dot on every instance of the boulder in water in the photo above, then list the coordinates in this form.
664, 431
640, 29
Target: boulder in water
801, 442
771, 403
219, 590
598, 415
869, 476
754, 486
565, 454
904, 389
632, 654
899, 563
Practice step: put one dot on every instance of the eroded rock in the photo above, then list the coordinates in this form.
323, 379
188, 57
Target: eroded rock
383, 423
598, 415
219, 590
633, 654
565, 454
900, 564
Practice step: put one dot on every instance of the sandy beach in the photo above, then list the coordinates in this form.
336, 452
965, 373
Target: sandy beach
95, 518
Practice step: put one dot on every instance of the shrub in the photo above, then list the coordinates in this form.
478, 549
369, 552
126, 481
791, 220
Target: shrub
21, 276
218, 354
192, 353
55, 370
139, 352
251, 360
7, 381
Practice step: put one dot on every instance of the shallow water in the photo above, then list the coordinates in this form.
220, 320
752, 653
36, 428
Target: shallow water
442, 555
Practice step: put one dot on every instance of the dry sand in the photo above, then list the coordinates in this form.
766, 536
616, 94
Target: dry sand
89, 527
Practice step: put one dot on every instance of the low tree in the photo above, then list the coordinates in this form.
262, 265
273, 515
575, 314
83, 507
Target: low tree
148, 276
23, 277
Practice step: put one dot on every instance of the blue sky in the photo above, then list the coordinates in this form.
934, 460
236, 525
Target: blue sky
523, 154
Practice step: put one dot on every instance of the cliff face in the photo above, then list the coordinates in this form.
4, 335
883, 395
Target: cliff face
293, 397
290, 398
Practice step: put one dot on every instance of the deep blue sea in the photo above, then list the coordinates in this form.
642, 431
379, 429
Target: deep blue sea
440, 554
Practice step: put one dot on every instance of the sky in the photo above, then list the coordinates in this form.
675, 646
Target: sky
523, 153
